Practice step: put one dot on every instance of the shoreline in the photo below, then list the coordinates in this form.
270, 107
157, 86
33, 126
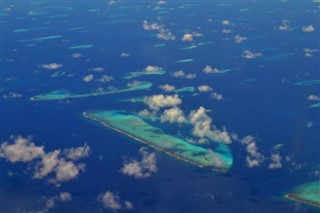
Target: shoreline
298, 199
216, 169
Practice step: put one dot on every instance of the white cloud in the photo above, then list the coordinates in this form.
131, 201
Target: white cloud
216, 96
203, 127
153, 26
125, 54
204, 88
97, 69
179, 73
63, 197
22, 150
308, 29
187, 37
135, 83
284, 26
105, 78
76, 55
226, 31
250, 55
255, 158
112, 201
77, 153
226, 22
156, 102
239, 39
313, 98
309, 52
167, 88
88, 78
141, 169
55, 162
276, 161
191, 76
12, 95
151, 68
165, 34
51, 66
173, 115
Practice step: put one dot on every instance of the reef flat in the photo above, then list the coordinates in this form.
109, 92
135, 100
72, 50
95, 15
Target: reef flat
307, 83
308, 193
218, 159
137, 74
66, 94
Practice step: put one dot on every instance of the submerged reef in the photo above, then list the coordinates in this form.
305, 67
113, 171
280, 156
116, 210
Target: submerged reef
219, 158
308, 193
66, 94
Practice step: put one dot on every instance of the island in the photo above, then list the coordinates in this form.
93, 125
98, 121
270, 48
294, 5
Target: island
66, 94
218, 158
308, 193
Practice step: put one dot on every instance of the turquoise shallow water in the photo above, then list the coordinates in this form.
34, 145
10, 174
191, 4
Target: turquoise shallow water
219, 159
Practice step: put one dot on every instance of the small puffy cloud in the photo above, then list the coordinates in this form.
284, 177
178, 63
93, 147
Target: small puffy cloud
173, 115
250, 55
112, 201
51, 66
208, 70
255, 158
308, 29
239, 39
226, 31
284, 26
177, 74
156, 102
226, 22
60, 164
204, 88
190, 76
22, 150
216, 96
135, 83
153, 26
151, 68
309, 52
97, 69
204, 128
313, 98
77, 153
125, 54
187, 37
88, 78
167, 88
275, 161
63, 197
141, 169
165, 34
181, 74
105, 78
76, 55
11, 95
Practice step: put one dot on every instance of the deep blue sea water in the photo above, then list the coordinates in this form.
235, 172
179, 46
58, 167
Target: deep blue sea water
260, 99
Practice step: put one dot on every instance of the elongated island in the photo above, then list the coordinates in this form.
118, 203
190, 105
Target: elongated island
308, 193
218, 159
66, 94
